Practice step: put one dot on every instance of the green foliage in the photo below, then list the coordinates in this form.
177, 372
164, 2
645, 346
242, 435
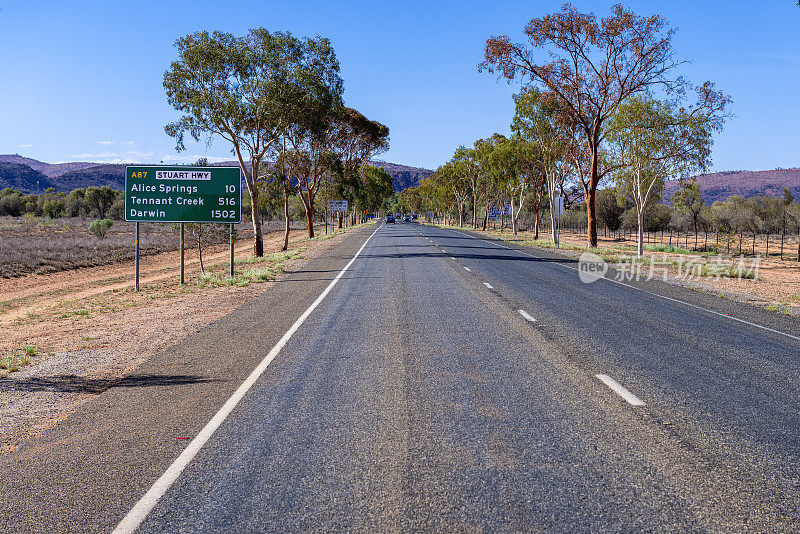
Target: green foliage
18, 358
376, 187
609, 209
12, 203
53, 207
99, 200
100, 227
249, 89
75, 204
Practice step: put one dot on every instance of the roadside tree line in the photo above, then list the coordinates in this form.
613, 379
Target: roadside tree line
277, 101
91, 202
601, 102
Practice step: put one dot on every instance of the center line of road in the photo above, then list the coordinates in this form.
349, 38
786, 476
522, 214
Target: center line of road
488, 285
527, 316
617, 388
148, 501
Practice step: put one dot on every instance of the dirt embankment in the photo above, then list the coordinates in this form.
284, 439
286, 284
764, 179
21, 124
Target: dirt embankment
90, 328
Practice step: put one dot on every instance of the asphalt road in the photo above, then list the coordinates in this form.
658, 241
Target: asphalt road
446, 383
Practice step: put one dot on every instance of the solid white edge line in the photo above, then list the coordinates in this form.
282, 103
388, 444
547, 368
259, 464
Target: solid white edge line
678, 301
617, 388
527, 316
143, 506
488, 285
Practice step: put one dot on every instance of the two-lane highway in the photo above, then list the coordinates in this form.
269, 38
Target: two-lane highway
420, 378
447, 383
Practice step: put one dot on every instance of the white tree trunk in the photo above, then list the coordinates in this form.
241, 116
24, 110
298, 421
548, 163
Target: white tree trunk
640, 220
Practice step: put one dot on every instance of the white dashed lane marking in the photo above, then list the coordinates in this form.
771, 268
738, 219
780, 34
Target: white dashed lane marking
617, 388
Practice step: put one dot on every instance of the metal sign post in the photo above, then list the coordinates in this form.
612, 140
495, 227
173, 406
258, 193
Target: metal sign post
231, 273
181, 194
181, 281
136, 260
340, 207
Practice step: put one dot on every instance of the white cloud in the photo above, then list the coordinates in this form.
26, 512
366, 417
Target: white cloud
25, 146
141, 155
191, 158
108, 142
101, 155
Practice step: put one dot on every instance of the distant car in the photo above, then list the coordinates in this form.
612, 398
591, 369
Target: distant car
390, 218
406, 218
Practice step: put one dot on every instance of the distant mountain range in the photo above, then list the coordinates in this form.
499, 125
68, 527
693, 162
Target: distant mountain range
32, 176
50, 170
721, 185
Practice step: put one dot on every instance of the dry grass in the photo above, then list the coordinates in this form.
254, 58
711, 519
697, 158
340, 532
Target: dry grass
41, 245
16, 359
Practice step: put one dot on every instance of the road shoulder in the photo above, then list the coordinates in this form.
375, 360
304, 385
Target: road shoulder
86, 474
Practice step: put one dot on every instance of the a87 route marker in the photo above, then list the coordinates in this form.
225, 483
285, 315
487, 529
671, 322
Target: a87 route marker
181, 194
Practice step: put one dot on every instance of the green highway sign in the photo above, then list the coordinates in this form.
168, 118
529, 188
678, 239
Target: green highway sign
156, 193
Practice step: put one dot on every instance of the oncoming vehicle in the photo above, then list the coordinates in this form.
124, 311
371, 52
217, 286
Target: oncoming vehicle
406, 218
390, 218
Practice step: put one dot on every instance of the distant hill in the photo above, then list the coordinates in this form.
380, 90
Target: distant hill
404, 176
23, 173
112, 175
68, 176
721, 185
48, 169
23, 178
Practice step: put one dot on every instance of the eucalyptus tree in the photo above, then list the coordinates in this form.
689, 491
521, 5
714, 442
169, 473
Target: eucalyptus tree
376, 188
248, 90
689, 198
435, 194
609, 210
787, 200
449, 174
592, 67
506, 168
356, 139
539, 121
652, 140
469, 167
531, 173
100, 199
351, 140
410, 199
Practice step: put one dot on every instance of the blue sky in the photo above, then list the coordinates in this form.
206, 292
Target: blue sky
82, 80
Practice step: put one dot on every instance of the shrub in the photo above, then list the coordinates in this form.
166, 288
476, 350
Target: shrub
99, 228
